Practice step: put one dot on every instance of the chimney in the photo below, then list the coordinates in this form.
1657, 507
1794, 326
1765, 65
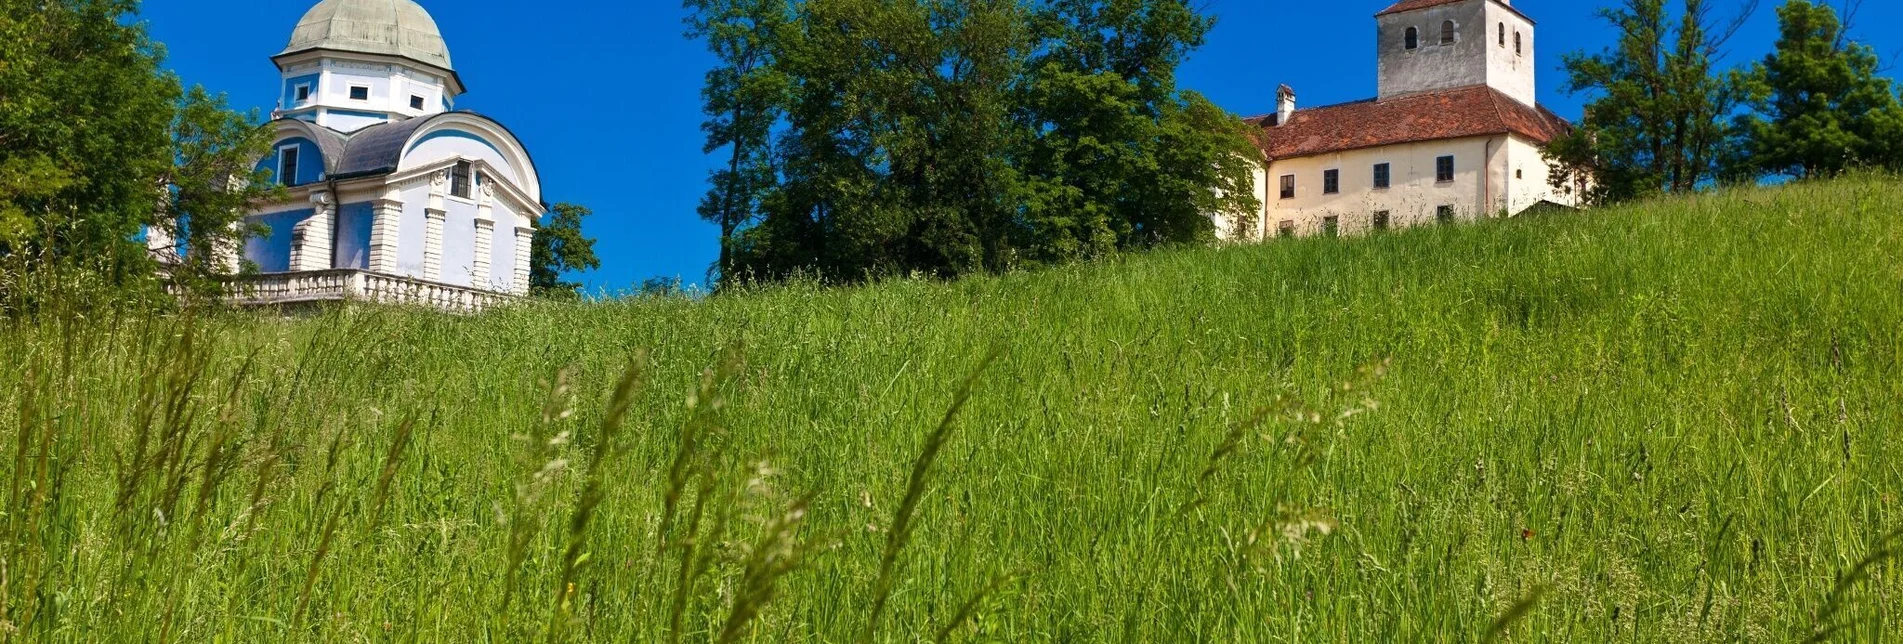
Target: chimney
1284, 105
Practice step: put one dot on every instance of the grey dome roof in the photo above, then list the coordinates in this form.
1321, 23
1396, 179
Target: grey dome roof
388, 27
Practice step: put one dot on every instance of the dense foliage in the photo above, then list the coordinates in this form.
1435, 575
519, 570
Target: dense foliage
1658, 122
1667, 422
560, 248
1665, 118
873, 137
98, 144
1819, 106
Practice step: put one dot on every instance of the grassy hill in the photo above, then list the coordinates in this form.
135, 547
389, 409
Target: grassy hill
1676, 421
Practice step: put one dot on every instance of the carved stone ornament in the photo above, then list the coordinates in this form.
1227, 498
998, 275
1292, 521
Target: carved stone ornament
438, 181
488, 189
320, 198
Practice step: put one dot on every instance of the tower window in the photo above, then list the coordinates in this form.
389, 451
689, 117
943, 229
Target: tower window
287, 166
359, 92
1503, 34
1331, 226
416, 102
1444, 214
1516, 43
1331, 182
1288, 186
1447, 32
1413, 38
1381, 175
460, 180
1444, 169
302, 92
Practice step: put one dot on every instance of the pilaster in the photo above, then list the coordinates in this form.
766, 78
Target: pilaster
435, 216
384, 231
311, 248
524, 239
485, 236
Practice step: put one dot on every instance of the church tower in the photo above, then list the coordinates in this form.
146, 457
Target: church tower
1434, 45
352, 64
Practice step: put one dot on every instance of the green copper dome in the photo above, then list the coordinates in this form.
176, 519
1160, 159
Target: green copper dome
388, 27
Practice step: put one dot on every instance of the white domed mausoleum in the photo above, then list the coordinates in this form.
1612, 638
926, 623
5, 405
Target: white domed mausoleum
395, 195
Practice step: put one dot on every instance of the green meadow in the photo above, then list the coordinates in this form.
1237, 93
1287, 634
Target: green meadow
1675, 421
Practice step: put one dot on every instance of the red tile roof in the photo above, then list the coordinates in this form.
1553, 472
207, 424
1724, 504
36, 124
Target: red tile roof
1411, 5
1476, 110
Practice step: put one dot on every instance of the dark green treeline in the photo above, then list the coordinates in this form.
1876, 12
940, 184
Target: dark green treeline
865, 138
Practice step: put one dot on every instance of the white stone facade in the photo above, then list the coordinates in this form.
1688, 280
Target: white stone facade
384, 181
1464, 94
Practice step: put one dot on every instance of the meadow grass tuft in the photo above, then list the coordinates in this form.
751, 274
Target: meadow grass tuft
1667, 422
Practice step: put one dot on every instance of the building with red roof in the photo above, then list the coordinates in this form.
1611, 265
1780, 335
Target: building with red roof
1455, 132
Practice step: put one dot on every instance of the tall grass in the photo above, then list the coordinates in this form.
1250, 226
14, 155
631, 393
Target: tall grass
1675, 421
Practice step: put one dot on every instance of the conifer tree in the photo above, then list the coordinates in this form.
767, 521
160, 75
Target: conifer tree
1820, 107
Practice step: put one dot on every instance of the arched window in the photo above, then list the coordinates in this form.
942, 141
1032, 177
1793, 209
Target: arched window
1503, 35
1413, 37
1447, 33
1516, 43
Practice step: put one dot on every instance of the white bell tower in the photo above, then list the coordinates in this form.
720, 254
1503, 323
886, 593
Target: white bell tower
1434, 45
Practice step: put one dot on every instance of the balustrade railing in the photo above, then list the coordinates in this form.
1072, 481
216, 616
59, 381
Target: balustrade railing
355, 285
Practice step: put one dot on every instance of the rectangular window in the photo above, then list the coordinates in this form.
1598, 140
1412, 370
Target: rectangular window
1381, 218
1444, 169
1286, 228
1381, 177
1288, 186
359, 92
1331, 226
1444, 214
1331, 182
416, 102
287, 166
302, 93
460, 180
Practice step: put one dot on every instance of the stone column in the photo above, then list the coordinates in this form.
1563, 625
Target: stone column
384, 230
434, 218
524, 239
485, 236
311, 248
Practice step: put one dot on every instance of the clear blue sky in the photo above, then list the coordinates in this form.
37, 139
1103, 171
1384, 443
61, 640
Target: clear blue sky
606, 92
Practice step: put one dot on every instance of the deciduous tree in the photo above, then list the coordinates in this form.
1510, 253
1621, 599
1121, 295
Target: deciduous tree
559, 248
1658, 119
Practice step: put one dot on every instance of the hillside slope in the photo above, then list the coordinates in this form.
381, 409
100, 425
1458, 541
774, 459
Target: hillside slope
1675, 421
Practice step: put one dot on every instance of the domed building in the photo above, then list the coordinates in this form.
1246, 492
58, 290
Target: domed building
396, 195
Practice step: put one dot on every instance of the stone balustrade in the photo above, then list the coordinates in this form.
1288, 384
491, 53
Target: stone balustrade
274, 289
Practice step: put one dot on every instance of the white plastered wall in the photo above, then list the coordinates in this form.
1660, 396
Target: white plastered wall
1412, 197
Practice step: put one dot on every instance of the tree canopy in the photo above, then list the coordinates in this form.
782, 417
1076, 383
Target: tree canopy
559, 248
945, 137
1819, 106
99, 145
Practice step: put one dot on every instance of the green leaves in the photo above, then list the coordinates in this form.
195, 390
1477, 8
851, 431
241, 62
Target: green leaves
1818, 106
1656, 123
560, 247
871, 138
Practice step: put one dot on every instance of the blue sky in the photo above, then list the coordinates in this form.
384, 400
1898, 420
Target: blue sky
606, 92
